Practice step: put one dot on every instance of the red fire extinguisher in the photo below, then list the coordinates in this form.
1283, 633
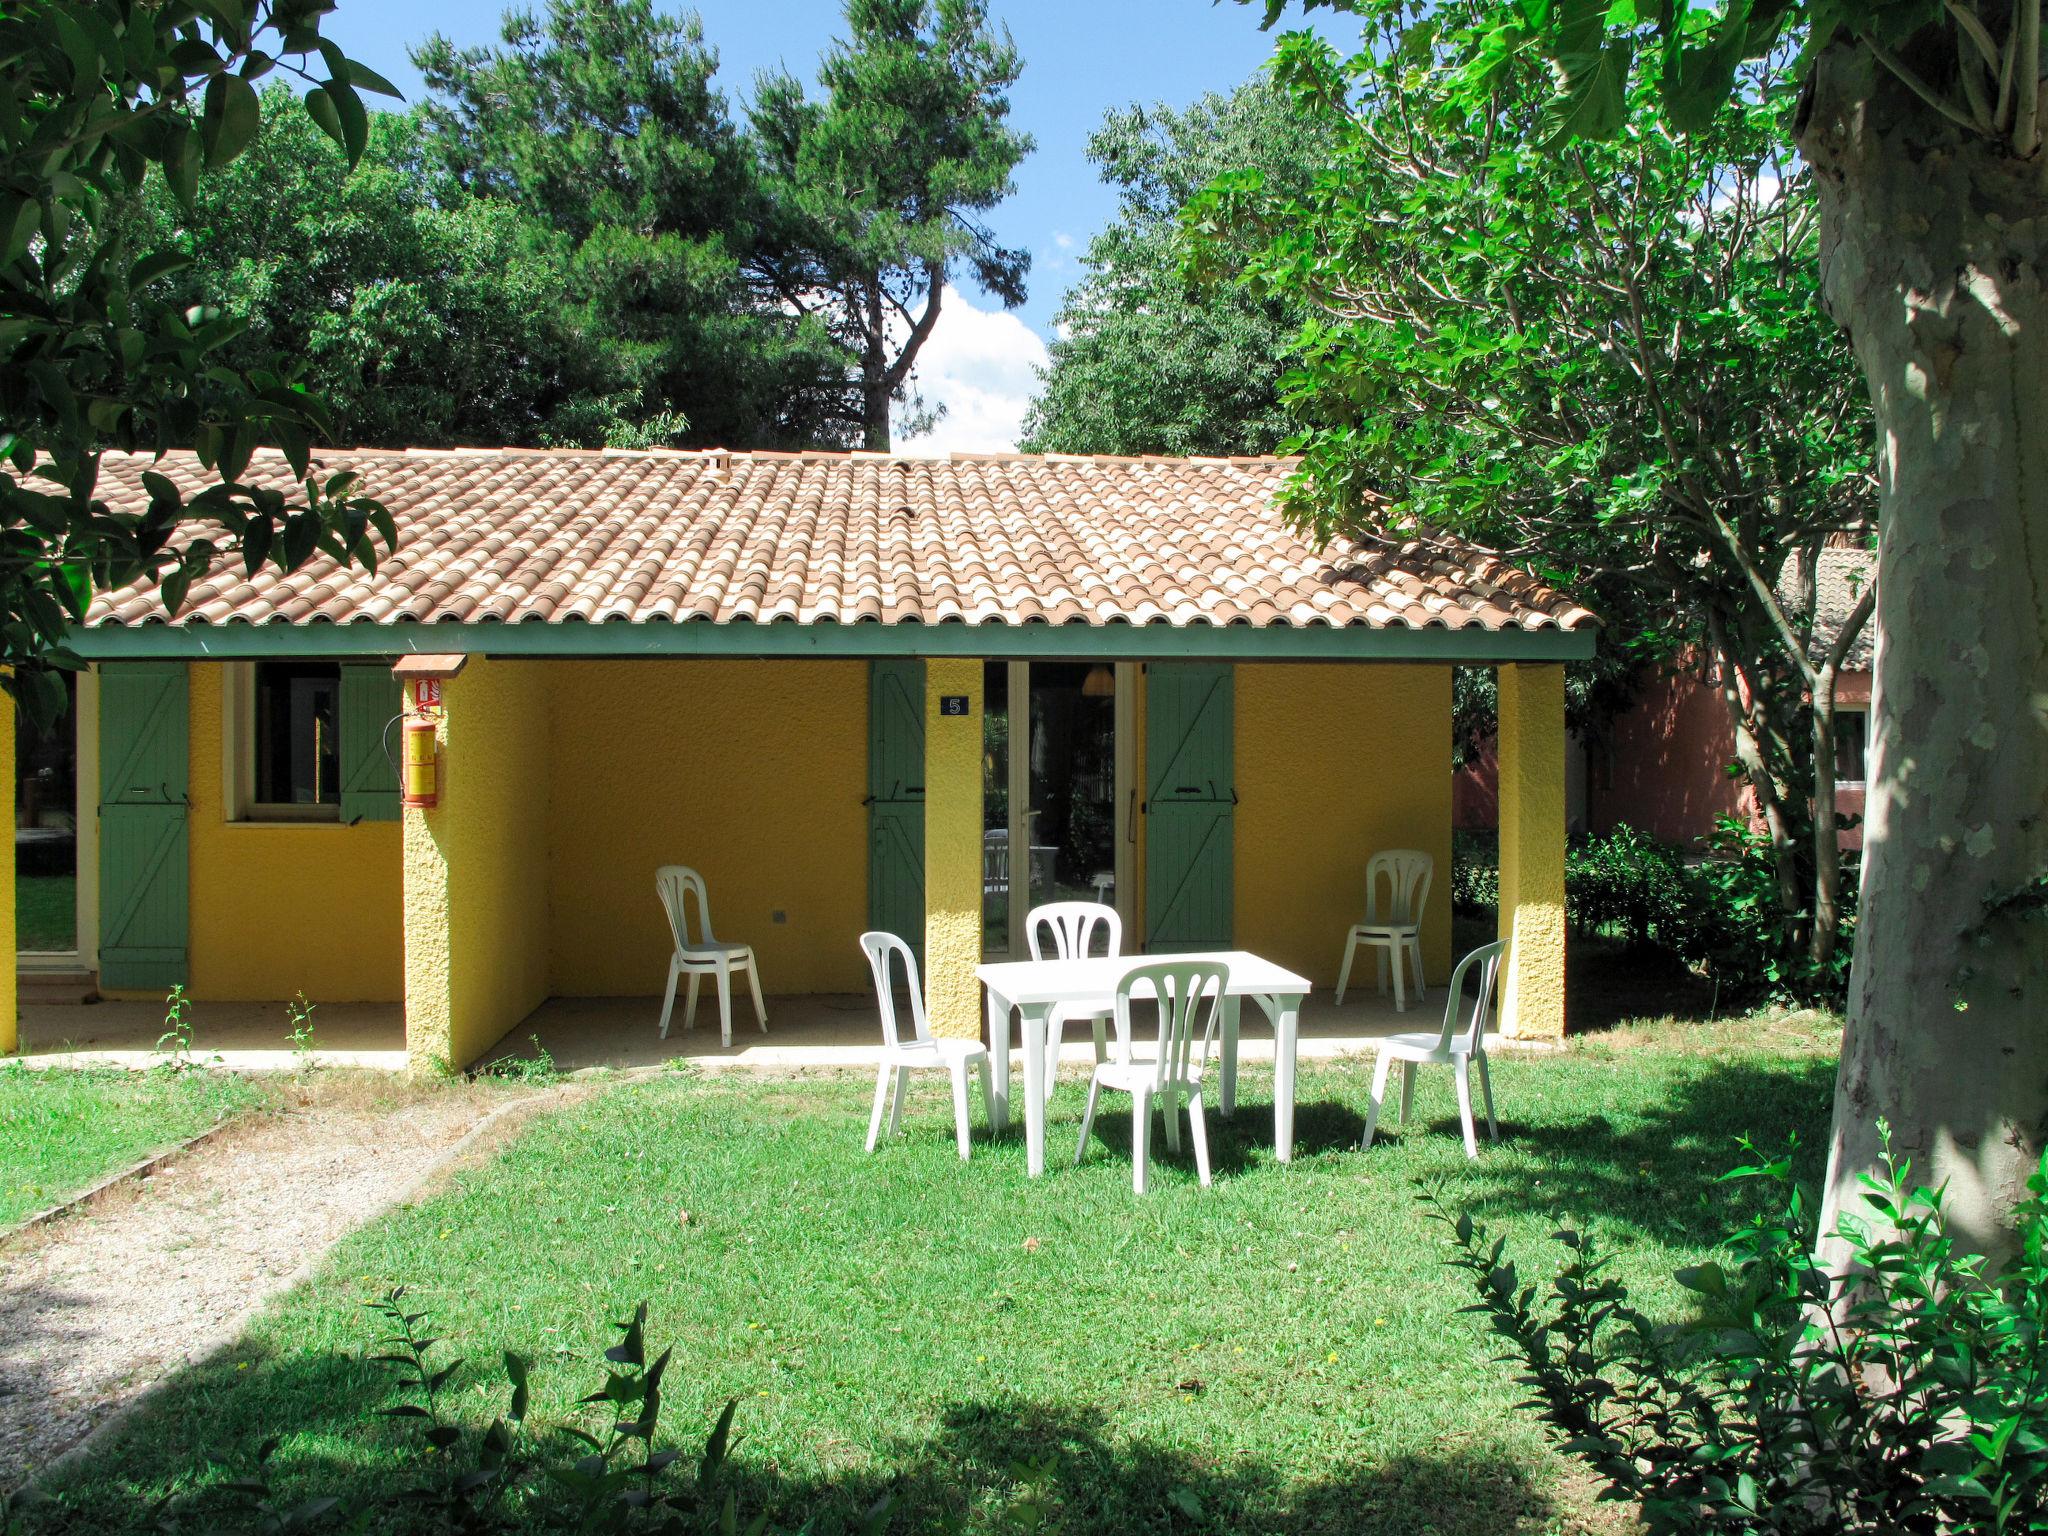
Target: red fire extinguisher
419, 782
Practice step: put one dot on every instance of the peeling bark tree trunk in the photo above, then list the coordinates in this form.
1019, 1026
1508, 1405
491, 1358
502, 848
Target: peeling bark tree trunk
1935, 257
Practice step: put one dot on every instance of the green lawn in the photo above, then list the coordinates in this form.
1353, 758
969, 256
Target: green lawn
63, 1128
1286, 1347
46, 912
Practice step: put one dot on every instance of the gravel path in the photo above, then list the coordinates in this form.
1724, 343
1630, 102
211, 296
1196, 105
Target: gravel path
103, 1303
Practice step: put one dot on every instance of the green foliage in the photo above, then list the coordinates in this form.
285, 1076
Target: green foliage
599, 123
1605, 360
603, 1474
299, 1014
175, 1043
873, 193
424, 315
1148, 359
535, 1071
98, 93
1716, 914
1905, 1394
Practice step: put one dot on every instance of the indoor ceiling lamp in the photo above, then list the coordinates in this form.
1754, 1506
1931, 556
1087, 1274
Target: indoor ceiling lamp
1100, 683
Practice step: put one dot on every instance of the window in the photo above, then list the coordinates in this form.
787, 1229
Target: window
298, 736
1852, 741
311, 741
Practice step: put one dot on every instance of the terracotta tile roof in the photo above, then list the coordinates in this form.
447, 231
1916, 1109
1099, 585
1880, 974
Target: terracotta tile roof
544, 536
1840, 576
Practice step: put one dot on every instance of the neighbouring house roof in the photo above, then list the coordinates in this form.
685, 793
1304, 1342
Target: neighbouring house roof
1840, 576
544, 551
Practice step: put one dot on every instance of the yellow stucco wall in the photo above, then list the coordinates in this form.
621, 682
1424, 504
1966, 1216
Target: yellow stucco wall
476, 868
952, 848
1532, 821
752, 773
1334, 763
282, 908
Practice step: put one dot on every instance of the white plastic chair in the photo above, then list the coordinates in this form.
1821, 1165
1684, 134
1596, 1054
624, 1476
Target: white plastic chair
1398, 934
1190, 1001
703, 955
1072, 926
923, 1049
1463, 1048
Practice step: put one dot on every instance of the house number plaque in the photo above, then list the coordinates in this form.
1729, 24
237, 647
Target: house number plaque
952, 703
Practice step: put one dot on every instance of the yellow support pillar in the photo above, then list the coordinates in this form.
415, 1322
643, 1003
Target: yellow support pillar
476, 868
10, 1002
1532, 796
952, 845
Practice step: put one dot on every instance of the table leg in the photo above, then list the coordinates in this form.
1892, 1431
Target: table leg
1226, 1096
999, 1057
1286, 1027
1032, 1020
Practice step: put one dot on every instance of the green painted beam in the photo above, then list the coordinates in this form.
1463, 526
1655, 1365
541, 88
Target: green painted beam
1109, 642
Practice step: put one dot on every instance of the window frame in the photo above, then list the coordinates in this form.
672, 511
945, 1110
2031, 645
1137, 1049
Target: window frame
238, 769
1862, 713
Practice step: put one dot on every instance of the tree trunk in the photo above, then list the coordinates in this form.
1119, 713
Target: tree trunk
1827, 837
1934, 251
1739, 695
874, 376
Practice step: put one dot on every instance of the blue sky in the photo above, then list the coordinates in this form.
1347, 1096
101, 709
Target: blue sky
1080, 59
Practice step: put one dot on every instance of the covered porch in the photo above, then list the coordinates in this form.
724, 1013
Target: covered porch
808, 1030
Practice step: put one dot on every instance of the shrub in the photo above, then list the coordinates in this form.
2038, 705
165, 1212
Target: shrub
602, 1472
1630, 882
1910, 1397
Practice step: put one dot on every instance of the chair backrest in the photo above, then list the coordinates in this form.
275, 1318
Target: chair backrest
1406, 873
1072, 926
676, 884
882, 950
1487, 958
1190, 999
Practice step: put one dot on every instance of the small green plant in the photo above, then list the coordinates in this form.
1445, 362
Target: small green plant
603, 1472
175, 1043
299, 1014
1910, 1395
535, 1071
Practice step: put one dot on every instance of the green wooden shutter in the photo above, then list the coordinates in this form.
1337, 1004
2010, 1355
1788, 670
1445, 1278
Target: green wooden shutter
370, 699
1189, 795
896, 800
144, 766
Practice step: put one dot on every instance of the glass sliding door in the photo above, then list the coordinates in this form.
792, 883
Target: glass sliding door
46, 831
1053, 786
995, 810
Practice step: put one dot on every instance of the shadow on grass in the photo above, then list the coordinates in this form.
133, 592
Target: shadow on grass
1237, 1144
985, 1456
1660, 1176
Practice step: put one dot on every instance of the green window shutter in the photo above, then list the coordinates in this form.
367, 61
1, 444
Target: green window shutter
371, 698
1190, 795
896, 800
144, 881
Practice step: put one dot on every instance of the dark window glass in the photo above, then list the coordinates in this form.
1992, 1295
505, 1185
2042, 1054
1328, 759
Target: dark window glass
1851, 742
298, 733
46, 830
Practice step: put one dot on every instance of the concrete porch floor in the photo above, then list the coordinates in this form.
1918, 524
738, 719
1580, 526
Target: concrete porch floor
243, 1037
828, 1030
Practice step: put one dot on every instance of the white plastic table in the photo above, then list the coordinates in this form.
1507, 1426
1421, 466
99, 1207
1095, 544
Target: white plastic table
1034, 987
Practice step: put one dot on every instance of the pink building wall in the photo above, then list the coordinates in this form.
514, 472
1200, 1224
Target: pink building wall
1662, 767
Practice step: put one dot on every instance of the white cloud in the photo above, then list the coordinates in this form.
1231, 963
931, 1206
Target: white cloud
980, 364
1063, 240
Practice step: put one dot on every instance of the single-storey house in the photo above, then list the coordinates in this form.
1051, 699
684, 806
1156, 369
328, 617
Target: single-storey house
853, 690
